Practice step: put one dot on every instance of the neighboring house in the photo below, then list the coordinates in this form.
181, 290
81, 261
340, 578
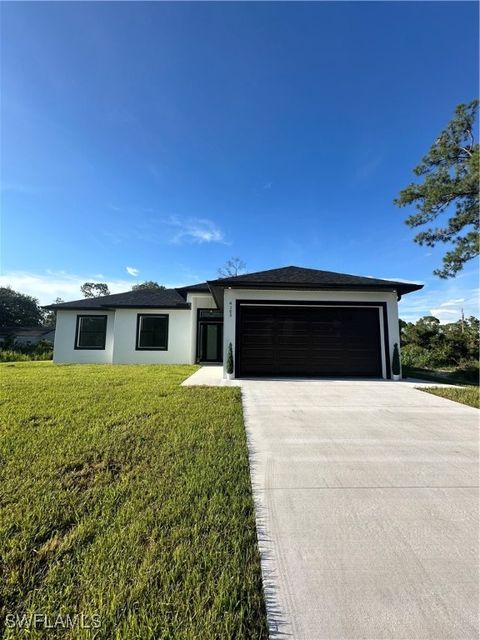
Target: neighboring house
26, 335
282, 322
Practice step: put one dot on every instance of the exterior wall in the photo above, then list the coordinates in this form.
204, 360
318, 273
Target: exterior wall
179, 338
64, 346
390, 298
182, 329
120, 345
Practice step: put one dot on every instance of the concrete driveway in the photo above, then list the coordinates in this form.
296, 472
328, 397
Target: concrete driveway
367, 509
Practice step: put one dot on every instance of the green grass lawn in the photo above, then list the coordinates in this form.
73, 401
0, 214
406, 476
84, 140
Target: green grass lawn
126, 496
465, 395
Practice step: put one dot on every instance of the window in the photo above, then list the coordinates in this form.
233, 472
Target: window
212, 314
152, 332
91, 332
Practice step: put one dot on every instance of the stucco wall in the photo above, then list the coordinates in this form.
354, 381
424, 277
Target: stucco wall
179, 338
64, 346
390, 298
121, 336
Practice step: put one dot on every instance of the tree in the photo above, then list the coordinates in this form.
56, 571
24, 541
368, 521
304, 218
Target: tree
94, 289
425, 333
450, 186
18, 309
148, 284
232, 267
50, 315
429, 344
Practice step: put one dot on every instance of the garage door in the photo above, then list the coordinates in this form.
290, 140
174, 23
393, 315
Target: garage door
309, 341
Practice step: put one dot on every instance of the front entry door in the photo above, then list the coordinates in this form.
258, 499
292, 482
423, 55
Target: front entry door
210, 341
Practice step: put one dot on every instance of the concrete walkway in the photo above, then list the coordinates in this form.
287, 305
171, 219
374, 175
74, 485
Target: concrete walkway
367, 509
206, 376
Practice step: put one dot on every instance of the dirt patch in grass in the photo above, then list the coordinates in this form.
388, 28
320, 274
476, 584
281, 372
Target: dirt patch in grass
81, 475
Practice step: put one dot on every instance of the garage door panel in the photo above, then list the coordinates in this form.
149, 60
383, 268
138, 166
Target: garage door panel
309, 341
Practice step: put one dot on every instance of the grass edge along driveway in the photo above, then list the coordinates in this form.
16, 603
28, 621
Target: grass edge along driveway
465, 395
128, 497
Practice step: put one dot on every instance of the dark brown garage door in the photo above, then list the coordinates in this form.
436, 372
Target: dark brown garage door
308, 341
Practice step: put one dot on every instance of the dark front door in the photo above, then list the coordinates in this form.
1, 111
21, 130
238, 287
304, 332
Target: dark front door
210, 336
309, 341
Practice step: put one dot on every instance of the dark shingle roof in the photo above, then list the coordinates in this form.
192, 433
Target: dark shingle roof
143, 298
201, 286
299, 277
283, 278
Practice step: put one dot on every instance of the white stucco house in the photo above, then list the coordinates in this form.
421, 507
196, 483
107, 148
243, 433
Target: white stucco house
290, 321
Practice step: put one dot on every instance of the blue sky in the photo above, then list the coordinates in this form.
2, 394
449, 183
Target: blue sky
167, 137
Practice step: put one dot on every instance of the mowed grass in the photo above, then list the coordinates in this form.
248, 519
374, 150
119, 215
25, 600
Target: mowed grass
125, 495
465, 395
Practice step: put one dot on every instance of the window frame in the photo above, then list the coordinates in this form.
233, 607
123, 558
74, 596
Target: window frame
140, 317
80, 316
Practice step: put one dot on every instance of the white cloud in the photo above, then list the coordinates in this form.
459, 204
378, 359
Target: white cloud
443, 314
49, 285
195, 230
182, 230
401, 280
56, 284
441, 304
132, 271
449, 303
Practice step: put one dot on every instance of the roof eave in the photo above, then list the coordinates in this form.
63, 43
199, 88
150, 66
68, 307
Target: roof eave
288, 285
217, 288
110, 307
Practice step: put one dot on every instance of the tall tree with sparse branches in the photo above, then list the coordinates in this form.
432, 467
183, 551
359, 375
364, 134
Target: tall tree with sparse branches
450, 186
232, 267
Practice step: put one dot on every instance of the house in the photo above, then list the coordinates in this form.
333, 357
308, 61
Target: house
24, 336
290, 321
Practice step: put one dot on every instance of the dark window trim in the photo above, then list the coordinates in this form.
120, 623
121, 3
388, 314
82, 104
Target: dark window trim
137, 337
77, 331
314, 303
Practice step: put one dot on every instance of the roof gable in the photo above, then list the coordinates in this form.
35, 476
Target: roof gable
302, 278
308, 277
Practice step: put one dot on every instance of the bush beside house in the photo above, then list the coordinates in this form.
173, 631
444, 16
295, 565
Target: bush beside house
427, 344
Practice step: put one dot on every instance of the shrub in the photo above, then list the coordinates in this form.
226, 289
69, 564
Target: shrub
230, 359
9, 355
396, 361
21, 352
415, 356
